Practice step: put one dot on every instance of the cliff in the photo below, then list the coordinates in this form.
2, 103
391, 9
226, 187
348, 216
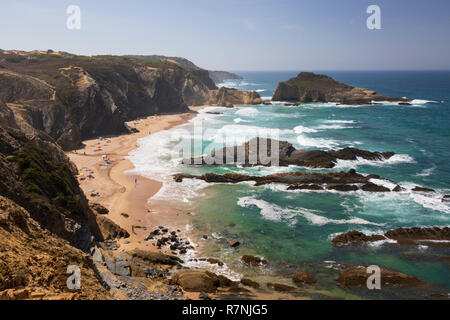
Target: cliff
311, 87
227, 97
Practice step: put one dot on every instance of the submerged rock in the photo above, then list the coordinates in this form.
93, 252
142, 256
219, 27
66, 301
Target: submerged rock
340, 181
280, 287
253, 261
250, 283
422, 189
355, 237
357, 277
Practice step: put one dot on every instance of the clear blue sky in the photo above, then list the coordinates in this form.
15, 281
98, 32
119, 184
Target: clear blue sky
241, 34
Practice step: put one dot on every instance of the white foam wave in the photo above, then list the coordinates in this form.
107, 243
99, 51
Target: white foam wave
239, 120
247, 112
273, 212
305, 141
302, 129
239, 134
342, 121
426, 172
353, 164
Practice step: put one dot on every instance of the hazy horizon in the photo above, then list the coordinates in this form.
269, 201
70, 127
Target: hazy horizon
242, 35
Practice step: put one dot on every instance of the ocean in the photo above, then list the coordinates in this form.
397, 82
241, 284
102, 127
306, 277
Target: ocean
293, 229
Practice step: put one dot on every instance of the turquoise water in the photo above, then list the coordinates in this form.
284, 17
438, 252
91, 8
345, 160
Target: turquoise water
293, 229
297, 227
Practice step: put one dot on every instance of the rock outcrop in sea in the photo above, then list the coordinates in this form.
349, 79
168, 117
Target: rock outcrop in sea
339, 181
436, 237
258, 151
311, 87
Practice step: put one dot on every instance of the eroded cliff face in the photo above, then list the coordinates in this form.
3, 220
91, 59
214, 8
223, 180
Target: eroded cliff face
311, 87
40, 270
36, 174
72, 98
226, 96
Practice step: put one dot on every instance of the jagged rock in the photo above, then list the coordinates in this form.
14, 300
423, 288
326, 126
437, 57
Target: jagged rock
355, 237
305, 187
263, 152
357, 277
403, 236
372, 187
422, 189
253, 261
311, 87
343, 187
343, 181
301, 278
398, 189
446, 198
280, 287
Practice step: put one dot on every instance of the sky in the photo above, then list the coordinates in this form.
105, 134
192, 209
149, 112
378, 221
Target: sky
241, 34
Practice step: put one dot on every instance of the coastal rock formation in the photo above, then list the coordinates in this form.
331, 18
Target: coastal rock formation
311, 87
301, 278
253, 261
262, 151
439, 237
342, 181
355, 237
33, 262
357, 277
200, 281
225, 96
250, 283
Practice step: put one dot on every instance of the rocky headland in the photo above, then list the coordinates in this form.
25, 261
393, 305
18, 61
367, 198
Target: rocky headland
73, 98
311, 87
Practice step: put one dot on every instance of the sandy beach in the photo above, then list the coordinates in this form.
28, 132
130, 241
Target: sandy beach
103, 167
